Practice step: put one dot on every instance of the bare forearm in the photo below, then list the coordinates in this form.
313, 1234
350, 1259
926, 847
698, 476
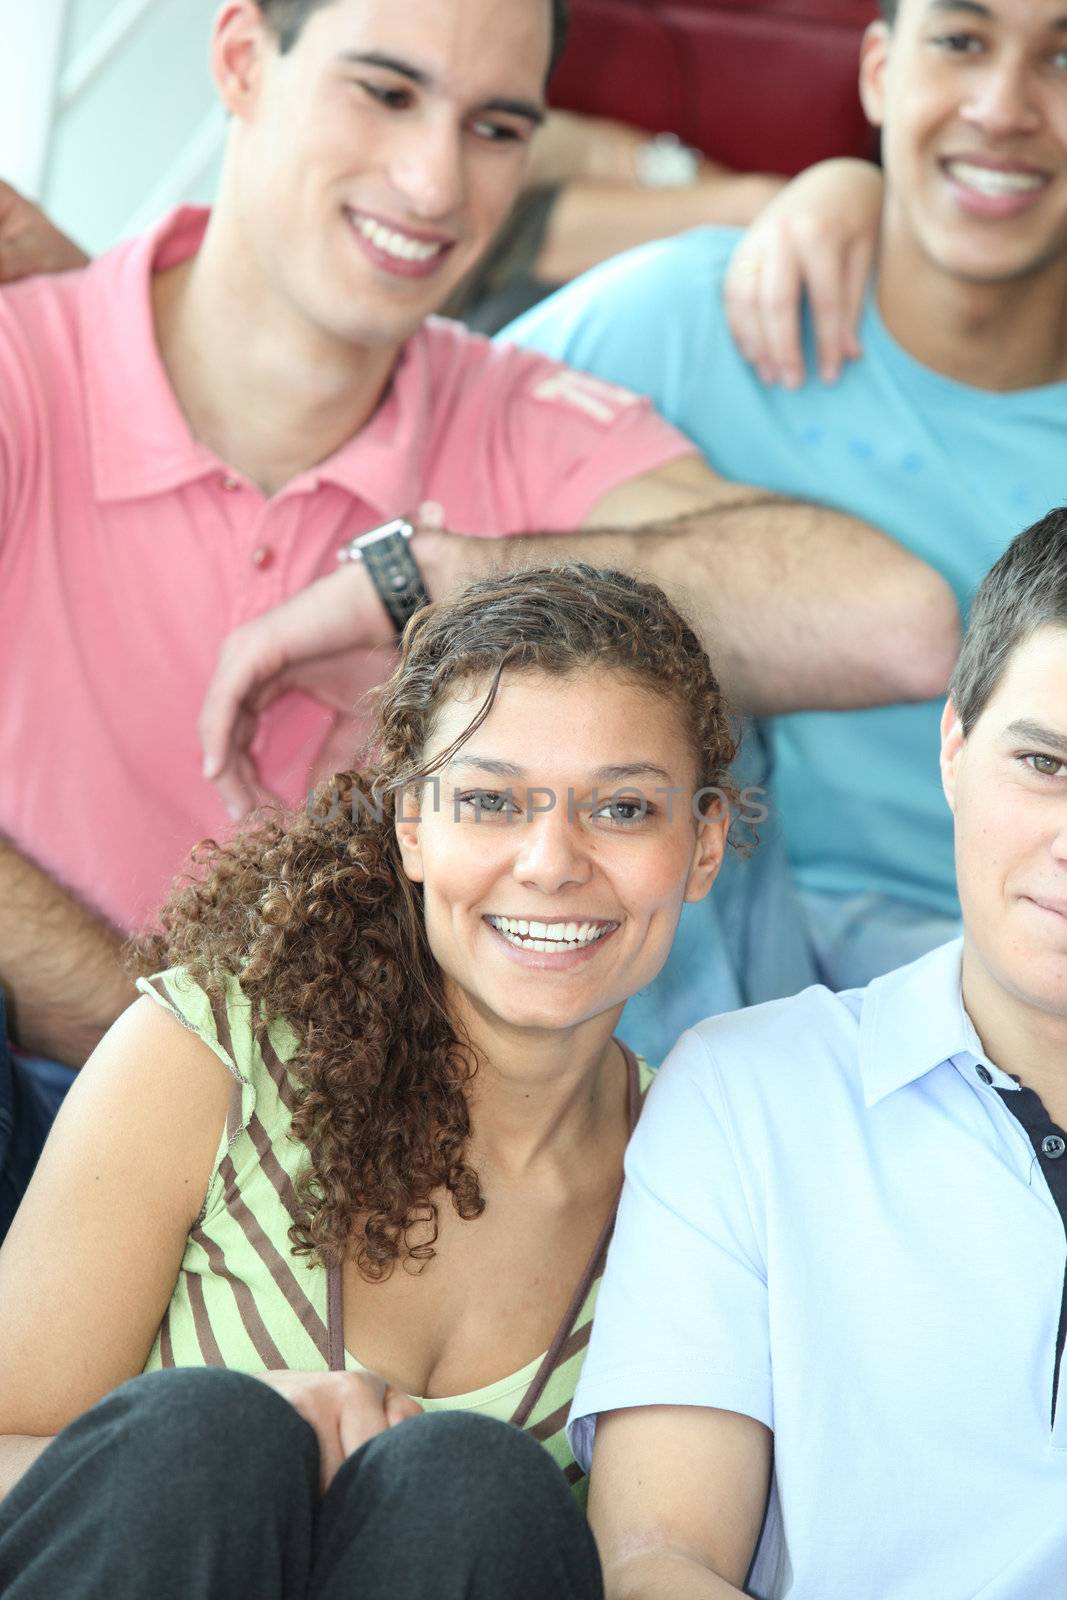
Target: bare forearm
595, 219
660, 1575
60, 964
18, 1452
800, 607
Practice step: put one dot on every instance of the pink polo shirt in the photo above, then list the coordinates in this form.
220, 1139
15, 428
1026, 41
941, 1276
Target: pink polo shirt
128, 551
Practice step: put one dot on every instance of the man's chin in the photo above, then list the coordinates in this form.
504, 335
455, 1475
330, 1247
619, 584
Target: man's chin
983, 263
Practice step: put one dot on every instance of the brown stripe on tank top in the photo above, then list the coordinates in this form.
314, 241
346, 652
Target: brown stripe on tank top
233, 1113
577, 1342
552, 1423
222, 1024
279, 1072
275, 1263
251, 1321
166, 1347
202, 1323
270, 1164
160, 988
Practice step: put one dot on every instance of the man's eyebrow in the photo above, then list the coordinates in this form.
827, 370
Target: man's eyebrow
1037, 733
528, 109
973, 8
376, 58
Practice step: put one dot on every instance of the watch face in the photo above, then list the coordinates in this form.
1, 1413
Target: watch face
387, 556
399, 527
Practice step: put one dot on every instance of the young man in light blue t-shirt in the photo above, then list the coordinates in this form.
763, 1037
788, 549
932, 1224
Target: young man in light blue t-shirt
948, 432
828, 1356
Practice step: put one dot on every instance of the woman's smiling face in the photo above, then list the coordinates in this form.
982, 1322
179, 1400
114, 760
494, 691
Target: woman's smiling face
557, 846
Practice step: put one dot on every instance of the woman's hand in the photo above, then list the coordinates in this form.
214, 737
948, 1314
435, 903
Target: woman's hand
817, 238
344, 1408
29, 242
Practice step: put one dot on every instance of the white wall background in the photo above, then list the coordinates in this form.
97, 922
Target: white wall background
107, 112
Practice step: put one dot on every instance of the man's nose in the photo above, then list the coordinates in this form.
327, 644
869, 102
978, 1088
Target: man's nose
428, 170
1003, 100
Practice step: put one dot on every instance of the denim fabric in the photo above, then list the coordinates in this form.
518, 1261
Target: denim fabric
860, 937
50, 1079
745, 942
26, 1112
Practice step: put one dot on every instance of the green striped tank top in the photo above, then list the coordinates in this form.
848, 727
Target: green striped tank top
243, 1300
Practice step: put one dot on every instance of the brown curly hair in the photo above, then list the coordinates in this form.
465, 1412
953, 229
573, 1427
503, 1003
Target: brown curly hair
316, 915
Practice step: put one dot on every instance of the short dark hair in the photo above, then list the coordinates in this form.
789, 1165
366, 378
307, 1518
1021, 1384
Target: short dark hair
889, 11
287, 18
1024, 591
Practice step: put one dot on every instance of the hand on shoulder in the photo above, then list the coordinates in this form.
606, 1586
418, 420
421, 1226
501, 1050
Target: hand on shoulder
818, 238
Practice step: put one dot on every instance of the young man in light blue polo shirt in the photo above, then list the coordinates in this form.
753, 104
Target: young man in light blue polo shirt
836, 1290
950, 432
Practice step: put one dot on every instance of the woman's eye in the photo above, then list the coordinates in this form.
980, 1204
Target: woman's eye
625, 810
1047, 766
492, 802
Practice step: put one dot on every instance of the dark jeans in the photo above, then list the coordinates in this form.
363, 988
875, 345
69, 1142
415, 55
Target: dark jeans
27, 1108
202, 1484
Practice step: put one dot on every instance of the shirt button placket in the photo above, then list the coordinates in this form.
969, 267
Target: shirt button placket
263, 556
1053, 1146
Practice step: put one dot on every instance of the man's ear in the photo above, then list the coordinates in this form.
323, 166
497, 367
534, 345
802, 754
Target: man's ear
407, 825
952, 743
874, 58
708, 851
239, 44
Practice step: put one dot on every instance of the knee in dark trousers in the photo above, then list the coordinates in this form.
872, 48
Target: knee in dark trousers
454, 1506
180, 1484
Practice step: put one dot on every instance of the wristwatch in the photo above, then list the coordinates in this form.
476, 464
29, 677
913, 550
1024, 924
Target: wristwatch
665, 162
386, 554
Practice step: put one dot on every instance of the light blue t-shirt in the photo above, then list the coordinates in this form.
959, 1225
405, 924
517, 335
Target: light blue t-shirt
833, 1223
953, 473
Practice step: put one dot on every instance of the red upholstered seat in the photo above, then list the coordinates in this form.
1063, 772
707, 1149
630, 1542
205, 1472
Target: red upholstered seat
759, 84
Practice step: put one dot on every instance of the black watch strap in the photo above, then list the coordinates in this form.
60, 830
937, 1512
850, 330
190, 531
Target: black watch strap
386, 554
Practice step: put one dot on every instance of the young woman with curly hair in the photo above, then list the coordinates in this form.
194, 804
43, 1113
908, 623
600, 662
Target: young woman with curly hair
398, 1008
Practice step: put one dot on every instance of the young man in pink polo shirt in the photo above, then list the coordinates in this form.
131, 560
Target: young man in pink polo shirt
191, 429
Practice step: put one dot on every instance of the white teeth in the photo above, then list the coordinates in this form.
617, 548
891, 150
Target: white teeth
397, 244
993, 183
551, 936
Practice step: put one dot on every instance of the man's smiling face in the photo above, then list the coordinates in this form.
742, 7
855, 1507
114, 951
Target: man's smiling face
376, 158
971, 96
1007, 785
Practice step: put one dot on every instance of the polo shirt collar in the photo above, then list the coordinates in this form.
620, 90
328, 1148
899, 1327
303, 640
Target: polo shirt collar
385, 462
912, 1021
139, 439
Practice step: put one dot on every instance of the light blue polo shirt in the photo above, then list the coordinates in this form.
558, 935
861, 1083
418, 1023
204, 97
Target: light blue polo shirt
833, 1224
953, 473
